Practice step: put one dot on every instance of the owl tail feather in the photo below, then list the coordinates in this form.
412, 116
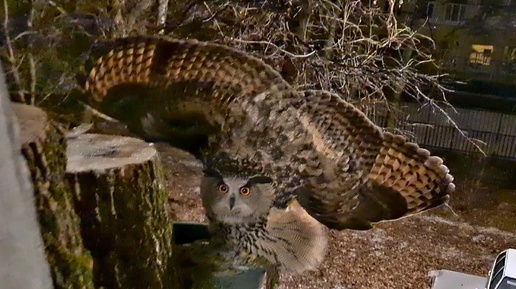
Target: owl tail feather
422, 180
297, 242
405, 180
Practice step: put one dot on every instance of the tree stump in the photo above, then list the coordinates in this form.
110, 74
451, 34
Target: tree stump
120, 198
22, 255
44, 148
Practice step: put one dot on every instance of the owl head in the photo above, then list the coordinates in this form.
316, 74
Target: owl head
236, 199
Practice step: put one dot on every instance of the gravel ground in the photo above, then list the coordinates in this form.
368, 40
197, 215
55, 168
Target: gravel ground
397, 254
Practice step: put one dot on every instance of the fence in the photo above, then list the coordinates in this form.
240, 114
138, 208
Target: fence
494, 133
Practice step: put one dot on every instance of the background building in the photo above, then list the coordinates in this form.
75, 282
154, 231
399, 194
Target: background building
475, 39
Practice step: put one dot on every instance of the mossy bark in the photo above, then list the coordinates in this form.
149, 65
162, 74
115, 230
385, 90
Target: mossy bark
44, 148
120, 198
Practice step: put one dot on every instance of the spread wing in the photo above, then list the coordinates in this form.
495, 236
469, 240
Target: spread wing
359, 175
163, 88
351, 173
345, 171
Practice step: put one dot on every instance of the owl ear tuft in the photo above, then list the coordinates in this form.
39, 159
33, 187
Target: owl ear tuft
259, 180
212, 173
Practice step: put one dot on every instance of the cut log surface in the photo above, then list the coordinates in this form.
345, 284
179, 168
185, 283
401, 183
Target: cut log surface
126, 224
44, 148
97, 152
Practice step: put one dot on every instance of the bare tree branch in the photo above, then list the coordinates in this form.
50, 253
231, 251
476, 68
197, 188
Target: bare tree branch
162, 15
360, 51
13, 68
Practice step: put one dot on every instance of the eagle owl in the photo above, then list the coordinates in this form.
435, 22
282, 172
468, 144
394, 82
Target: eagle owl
281, 165
239, 207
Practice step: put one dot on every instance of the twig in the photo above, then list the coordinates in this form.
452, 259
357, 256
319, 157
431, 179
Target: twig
32, 65
162, 15
267, 43
12, 58
216, 13
98, 113
59, 8
450, 119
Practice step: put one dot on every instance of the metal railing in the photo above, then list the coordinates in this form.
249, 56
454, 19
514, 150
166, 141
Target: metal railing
494, 133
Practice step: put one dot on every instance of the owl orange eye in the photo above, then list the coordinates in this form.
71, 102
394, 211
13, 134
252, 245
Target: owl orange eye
245, 191
223, 188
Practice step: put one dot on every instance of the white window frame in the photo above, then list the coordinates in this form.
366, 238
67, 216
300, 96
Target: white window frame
460, 13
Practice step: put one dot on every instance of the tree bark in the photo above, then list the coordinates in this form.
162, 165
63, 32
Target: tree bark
22, 258
123, 207
44, 148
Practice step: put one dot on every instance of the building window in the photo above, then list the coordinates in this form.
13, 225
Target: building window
455, 12
509, 53
481, 54
430, 10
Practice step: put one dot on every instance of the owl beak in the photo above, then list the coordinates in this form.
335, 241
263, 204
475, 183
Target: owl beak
231, 202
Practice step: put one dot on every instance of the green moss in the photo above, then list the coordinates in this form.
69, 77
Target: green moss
131, 233
70, 263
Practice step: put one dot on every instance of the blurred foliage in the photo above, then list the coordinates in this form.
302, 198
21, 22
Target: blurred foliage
46, 47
